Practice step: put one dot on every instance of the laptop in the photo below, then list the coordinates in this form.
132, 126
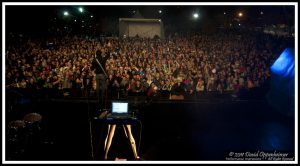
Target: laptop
119, 110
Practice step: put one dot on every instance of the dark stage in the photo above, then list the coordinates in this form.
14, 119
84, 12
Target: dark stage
196, 130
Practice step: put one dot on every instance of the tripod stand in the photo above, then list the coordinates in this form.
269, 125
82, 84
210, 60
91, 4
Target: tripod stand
111, 131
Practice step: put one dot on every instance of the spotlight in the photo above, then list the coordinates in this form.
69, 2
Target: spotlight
66, 13
240, 14
196, 15
80, 9
159, 11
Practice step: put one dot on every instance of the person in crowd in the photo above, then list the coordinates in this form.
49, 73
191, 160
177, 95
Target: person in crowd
200, 87
189, 89
137, 87
178, 87
152, 91
115, 89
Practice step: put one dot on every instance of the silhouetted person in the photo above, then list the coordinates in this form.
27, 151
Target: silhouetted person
98, 65
178, 88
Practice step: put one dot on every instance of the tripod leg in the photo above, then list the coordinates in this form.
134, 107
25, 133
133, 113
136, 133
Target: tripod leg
125, 131
108, 129
110, 137
132, 141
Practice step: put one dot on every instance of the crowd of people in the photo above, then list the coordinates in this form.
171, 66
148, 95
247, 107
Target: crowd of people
180, 64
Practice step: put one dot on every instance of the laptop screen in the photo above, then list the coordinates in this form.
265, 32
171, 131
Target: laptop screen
119, 107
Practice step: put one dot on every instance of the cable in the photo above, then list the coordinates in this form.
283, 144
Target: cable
105, 102
140, 137
90, 124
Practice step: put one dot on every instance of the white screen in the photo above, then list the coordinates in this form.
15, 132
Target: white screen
144, 29
119, 107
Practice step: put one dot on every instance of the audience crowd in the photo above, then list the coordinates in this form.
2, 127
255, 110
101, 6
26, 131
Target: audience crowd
181, 64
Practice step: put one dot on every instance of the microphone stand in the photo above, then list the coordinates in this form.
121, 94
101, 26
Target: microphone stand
101, 66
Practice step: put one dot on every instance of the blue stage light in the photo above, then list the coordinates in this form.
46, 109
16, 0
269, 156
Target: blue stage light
282, 91
285, 64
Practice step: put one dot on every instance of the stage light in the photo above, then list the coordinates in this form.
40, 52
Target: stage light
224, 13
66, 13
240, 14
159, 11
261, 13
284, 64
239, 24
196, 15
92, 16
75, 20
80, 10
281, 95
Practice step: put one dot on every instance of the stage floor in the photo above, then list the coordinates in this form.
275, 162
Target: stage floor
188, 130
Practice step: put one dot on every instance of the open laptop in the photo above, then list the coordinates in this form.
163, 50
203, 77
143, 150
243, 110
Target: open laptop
119, 110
